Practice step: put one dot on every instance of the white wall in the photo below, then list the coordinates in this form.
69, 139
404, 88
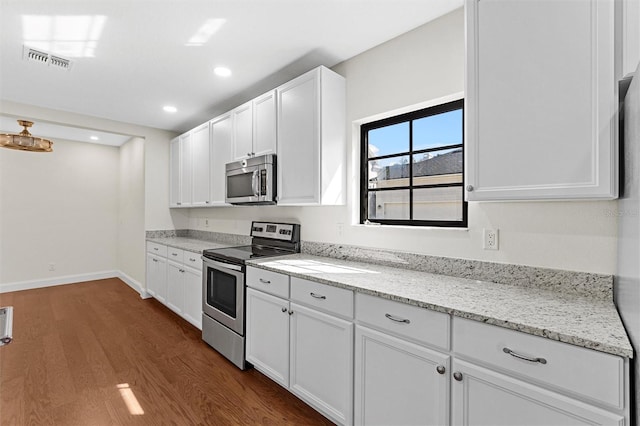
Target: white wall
131, 212
91, 229
425, 64
58, 207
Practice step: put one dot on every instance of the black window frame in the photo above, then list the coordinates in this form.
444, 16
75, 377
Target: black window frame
364, 161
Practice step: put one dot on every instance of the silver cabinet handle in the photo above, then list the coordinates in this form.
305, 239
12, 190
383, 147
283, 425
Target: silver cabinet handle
263, 281
155, 260
155, 248
396, 319
181, 270
192, 259
440, 369
248, 154
524, 357
458, 376
470, 188
284, 309
317, 296
174, 254
290, 312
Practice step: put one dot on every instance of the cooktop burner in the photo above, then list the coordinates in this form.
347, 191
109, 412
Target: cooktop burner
269, 239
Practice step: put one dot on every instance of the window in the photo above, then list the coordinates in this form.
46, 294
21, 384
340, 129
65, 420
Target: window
412, 168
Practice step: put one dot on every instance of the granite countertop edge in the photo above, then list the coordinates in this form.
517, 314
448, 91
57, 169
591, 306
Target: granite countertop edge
621, 348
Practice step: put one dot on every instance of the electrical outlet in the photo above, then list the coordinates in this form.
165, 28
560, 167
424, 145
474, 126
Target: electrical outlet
52, 266
206, 223
340, 229
490, 239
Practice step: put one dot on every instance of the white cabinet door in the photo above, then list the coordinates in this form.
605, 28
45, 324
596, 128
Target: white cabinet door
264, 124
541, 105
221, 150
157, 277
200, 166
243, 131
484, 397
185, 170
174, 173
399, 383
175, 287
268, 335
192, 311
311, 139
321, 362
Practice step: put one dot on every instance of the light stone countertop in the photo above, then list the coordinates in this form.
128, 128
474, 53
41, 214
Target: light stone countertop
190, 244
581, 321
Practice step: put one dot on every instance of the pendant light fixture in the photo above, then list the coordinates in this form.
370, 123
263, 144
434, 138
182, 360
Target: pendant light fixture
25, 141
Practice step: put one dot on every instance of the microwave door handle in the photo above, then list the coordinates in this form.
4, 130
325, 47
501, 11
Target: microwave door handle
255, 183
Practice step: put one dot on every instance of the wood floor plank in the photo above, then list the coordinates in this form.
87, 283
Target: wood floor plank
86, 353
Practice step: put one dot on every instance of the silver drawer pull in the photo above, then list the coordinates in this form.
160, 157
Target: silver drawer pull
155, 260
192, 259
317, 296
396, 319
174, 254
263, 281
155, 248
526, 358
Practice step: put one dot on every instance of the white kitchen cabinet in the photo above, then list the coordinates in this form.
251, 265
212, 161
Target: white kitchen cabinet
201, 165
174, 278
398, 382
221, 141
174, 173
485, 397
254, 127
321, 362
186, 178
541, 100
157, 276
267, 337
180, 171
311, 139
630, 36
175, 287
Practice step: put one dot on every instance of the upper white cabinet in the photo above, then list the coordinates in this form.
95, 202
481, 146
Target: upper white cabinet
221, 140
180, 171
630, 36
311, 139
540, 112
254, 127
201, 194
174, 173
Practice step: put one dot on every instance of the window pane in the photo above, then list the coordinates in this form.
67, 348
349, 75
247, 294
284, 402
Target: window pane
389, 204
436, 167
437, 203
389, 140
438, 130
389, 172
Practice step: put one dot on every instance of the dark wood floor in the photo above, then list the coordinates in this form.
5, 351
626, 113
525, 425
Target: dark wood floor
94, 353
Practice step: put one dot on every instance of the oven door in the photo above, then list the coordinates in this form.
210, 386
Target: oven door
223, 293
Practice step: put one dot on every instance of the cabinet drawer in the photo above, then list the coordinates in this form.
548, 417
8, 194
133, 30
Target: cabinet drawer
269, 282
157, 249
583, 372
193, 260
422, 325
328, 298
175, 254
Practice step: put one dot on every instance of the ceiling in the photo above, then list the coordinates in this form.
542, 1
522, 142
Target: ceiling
129, 58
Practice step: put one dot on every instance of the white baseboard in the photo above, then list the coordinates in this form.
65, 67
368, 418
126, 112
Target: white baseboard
72, 279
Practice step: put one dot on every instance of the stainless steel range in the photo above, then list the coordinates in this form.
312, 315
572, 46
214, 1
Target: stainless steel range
223, 285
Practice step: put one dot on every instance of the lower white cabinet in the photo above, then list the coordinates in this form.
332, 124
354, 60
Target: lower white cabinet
398, 382
305, 350
321, 361
176, 282
485, 397
268, 335
157, 276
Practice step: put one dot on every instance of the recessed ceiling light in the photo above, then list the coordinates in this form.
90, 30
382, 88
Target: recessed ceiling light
222, 71
94, 138
169, 108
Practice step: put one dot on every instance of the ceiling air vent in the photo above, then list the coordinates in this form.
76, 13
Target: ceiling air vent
31, 54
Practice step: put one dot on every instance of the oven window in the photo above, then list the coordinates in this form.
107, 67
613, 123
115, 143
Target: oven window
221, 291
239, 185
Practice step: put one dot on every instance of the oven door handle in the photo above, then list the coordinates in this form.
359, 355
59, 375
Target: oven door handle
221, 265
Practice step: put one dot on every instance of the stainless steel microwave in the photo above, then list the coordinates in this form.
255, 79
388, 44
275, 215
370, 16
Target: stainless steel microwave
251, 181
